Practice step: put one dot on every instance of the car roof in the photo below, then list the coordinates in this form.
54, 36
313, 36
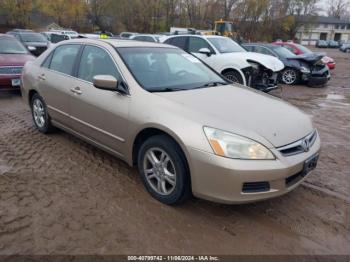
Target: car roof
261, 44
203, 36
119, 42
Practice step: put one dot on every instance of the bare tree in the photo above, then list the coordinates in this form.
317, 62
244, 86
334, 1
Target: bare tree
338, 8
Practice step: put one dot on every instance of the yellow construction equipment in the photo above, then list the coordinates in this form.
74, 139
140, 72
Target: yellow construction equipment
223, 28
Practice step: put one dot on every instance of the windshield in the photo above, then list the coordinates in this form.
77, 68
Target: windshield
304, 49
168, 69
226, 45
11, 46
33, 37
283, 52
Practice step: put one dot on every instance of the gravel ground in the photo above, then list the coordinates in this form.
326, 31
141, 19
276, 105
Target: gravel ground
59, 195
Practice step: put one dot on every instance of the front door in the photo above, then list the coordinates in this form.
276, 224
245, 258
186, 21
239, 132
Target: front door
99, 115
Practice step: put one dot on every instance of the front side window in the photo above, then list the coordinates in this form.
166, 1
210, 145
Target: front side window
96, 61
226, 45
196, 44
11, 46
64, 58
167, 69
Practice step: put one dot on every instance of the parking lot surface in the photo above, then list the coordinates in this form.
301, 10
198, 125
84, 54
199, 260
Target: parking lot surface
59, 195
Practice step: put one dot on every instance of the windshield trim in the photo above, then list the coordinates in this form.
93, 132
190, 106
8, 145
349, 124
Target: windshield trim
169, 48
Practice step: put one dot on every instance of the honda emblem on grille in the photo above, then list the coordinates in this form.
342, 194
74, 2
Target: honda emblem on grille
305, 145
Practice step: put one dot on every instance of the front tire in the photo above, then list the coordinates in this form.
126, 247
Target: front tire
233, 76
163, 169
40, 115
290, 76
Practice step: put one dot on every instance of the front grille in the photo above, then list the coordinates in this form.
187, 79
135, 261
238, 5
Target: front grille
256, 187
11, 70
300, 146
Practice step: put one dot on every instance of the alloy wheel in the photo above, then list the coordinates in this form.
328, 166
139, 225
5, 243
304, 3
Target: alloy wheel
159, 171
39, 113
289, 76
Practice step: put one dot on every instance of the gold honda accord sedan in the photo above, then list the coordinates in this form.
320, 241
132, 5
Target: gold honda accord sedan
187, 129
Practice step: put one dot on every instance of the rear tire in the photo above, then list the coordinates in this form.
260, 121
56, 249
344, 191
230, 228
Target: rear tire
163, 170
40, 115
233, 76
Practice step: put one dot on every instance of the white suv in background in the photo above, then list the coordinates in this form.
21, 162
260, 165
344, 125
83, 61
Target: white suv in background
231, 60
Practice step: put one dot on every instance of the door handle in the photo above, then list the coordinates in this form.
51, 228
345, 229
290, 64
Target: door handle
42, 77
76, 90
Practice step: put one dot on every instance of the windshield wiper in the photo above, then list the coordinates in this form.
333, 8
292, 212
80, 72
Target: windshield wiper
168, 89
211, 84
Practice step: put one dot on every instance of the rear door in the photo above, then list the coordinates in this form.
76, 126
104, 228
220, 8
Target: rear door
56, 81
99, 115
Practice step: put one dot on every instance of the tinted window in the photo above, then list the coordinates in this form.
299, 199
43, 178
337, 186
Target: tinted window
64, 58
144, 38
95, 61
263, 50
196, 43
180, 42
249, 48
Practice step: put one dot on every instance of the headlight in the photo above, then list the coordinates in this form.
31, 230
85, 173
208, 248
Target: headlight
305, 70
237, 147
31, 48
254, 65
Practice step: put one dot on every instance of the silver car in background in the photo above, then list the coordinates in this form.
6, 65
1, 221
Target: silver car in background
186, 128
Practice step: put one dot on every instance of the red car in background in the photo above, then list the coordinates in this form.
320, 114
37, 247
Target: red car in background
300, 50
13, 56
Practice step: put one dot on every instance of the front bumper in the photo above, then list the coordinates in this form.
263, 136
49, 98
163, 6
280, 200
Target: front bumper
222, 180
319, 75
6, 82
263, 79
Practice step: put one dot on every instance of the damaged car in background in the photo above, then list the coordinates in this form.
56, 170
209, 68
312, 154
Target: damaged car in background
306, 68
231, 60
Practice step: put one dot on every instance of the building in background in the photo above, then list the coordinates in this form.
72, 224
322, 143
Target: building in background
315, 28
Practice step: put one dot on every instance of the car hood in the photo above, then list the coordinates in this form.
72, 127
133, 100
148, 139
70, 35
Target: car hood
268, 61
15, 59
246, 112
308, 58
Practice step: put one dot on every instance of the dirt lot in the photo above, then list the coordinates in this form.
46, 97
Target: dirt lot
59, 195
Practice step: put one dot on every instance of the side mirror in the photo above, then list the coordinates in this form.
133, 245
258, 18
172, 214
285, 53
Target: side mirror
109, 83
105, 82
205, 51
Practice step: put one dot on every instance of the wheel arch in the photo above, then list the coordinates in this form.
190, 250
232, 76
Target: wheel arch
149, 131
31, 93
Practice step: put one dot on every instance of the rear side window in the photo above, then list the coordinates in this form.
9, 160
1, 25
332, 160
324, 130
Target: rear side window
64, 58
180, 42
96, 61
